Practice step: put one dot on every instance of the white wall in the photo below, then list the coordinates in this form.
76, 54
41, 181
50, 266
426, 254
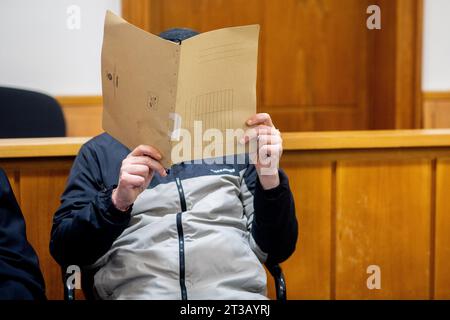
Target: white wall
38, 50
436, 46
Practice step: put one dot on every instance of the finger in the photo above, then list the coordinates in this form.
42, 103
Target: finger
270, 150
147, 161
157, 166
144, 150
144, 160
254, 132
260, 118
132, 180
269, 156
269, 139
138, 170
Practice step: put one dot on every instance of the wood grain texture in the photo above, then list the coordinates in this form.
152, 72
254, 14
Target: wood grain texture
442, 261
368, 204
373, 139
436, 110
83, 115
320, 68
408, 63
39, 193
309, 46
308, 270
40, 147
383, 219
137, 11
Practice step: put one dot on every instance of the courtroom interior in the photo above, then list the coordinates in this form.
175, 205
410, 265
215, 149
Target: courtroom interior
359, 91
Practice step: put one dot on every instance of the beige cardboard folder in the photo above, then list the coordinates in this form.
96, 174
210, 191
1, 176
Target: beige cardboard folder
152, 87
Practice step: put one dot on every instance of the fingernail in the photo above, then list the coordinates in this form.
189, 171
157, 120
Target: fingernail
242, 141
249, 122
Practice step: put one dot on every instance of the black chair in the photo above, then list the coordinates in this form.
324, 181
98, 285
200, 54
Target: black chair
29, 114
88, 277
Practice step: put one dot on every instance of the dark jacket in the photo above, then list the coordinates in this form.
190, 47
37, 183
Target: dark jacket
193, 208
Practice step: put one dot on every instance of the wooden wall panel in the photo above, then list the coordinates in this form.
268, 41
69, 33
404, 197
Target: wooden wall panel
314, 68
83, 115
320, 68
308, 269
383, 218
396, 66
442, 277
137, 11
362, 198
308, 97
40, 190
436, 110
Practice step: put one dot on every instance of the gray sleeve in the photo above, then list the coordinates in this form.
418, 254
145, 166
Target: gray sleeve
248, 179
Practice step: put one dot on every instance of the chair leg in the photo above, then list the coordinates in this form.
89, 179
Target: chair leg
280, 282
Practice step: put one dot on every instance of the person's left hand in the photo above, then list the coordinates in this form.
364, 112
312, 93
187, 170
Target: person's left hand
269, 148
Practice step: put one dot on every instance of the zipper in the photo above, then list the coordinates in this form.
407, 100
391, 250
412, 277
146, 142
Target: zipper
181, 239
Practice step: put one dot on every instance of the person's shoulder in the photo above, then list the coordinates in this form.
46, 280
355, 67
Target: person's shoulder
2, 174
4, 183
104, 143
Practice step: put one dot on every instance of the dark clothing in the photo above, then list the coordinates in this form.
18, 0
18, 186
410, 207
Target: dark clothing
87, 225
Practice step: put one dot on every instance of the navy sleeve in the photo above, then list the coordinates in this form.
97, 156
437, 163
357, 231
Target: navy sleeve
87, 223
274, 225
20, 275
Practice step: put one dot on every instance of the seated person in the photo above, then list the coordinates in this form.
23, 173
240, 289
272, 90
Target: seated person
200, 231
20, 276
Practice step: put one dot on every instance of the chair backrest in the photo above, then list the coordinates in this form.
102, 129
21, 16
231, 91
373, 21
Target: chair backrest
29, 114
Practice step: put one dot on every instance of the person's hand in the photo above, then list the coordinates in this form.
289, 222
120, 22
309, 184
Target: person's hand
269, 148
136, 173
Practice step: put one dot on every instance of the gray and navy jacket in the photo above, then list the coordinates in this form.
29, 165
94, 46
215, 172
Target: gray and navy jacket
202, 232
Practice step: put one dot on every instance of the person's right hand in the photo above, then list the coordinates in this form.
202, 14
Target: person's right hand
136, 174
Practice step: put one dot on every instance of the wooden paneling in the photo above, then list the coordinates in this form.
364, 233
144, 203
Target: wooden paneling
38, 184
320, 68
309, 46
442, 280
83, 115
377, 139
383, 219
308, 271
362, 198
395, 60
436, 110
40, 191
137, 11
42, 147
